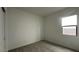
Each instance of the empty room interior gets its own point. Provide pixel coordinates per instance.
(39, 29)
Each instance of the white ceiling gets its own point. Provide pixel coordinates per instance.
(43, 11)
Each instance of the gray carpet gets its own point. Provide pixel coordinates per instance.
(41, 46)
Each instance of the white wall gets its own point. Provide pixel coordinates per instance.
(23, 28)
(53, 29)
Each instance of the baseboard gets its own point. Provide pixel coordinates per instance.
(60, 45)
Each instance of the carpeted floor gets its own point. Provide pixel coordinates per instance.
(41, 46)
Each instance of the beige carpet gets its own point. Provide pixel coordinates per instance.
(41, 46)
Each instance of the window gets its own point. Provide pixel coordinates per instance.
(69, 25)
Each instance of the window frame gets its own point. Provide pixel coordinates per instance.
(70, 26)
